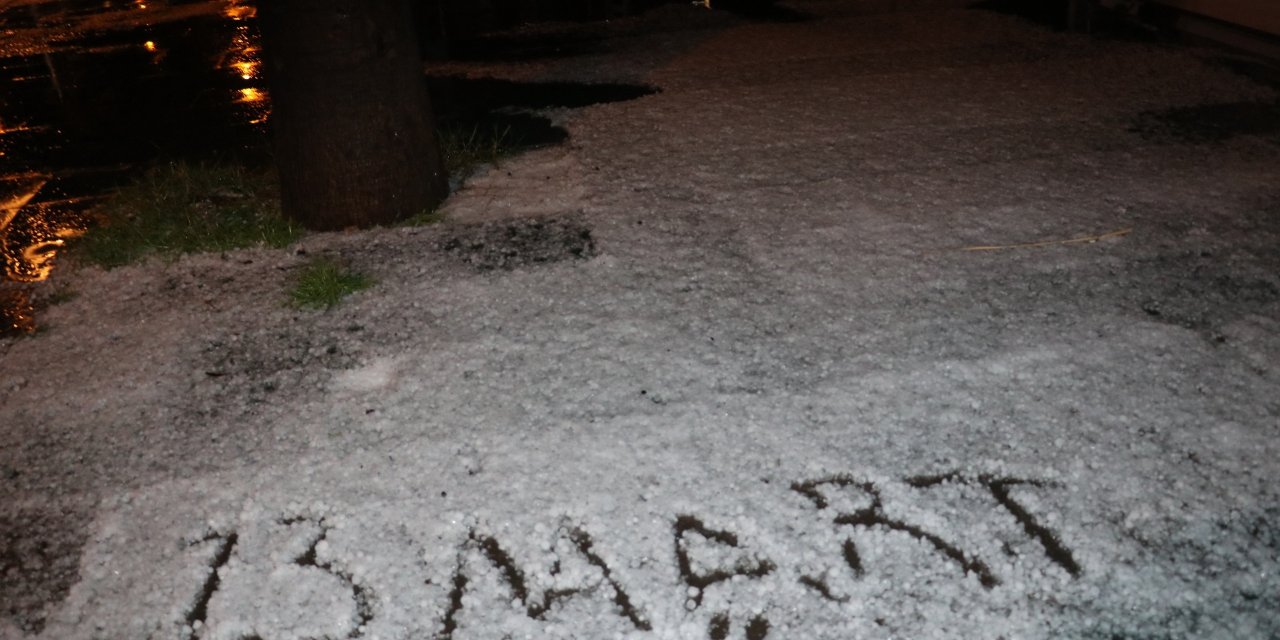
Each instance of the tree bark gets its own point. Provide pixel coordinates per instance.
(355, 138)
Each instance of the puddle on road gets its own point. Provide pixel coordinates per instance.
(118, 97)
(83, 111)
(17, 312)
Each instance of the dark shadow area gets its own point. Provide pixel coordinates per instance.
(504, 133)
(488, 113)
(1049, 13)
(456, 31)
(39, 561)
(521, 46)
(1252, 68)
(1209, 123)
(18, 17)
(760, 10)
(453, 96)
(1148, 24)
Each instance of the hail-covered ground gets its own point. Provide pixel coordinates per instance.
(902, 321)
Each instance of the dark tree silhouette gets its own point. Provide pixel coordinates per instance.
(355, 139)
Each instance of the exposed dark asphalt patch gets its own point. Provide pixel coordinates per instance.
(39, 561)
(511, 244)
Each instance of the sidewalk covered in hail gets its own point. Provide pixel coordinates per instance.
(879, 320)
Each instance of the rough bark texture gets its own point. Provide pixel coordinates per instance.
(354, 132)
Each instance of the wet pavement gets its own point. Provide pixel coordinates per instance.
(96, 90)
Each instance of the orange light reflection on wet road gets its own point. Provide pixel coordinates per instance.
(239, 11)
(33, 261)
(245, 59)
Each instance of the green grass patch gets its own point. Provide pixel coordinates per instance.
(434, 216)
(324, 283)
(187, 208)
(465, 149)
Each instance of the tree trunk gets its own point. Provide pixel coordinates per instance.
(354, 133)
